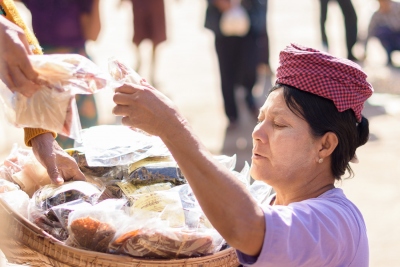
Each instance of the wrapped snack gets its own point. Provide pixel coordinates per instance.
(53, 107)
(17, 199)
(157, 173)
(94, 229)
(92, 234)
(124, 189)
(22, 167)
(121, 73)
(7, 186)
(118, 145)
(167, 243)
(53, 195)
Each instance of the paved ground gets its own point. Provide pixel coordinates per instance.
(187, 72)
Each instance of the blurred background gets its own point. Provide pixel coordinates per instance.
(187, 71)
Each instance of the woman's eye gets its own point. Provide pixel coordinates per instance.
(277, 125)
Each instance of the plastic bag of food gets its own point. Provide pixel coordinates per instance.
(113, 145)
(167, 243)
(51, 204)
(21, 167)
(53, 195)
(95, 228)
(53, 107)
(18, 200)
(121, 73)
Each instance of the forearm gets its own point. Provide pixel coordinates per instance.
(91, 24)
(223, 198)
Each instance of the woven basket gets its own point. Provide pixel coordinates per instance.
(24, 243)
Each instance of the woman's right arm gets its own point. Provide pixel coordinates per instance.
(225, 200)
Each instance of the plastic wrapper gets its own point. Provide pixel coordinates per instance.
(18, 200)
(166, 224)
(124, 189)
(7, 186)
(167, 243)
(21, 167)
(115, 145)
(53, 195)
(53, 106)
(121, 73)
(94, 229)
(157, 173)
(50, 206)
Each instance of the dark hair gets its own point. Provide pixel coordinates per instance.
(323, 116)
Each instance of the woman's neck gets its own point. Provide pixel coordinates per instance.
(285, 198)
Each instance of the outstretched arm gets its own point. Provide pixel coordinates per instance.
(224, 199)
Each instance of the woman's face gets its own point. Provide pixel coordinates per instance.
(284, 151)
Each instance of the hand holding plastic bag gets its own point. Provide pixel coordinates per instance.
(53, 107)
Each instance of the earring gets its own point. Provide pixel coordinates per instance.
(320, 160)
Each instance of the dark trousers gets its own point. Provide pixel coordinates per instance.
(390, 41)
(237, 58)
(350, 23)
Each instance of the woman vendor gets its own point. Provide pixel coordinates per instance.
(308, 131)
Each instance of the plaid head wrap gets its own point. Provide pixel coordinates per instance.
(316, 72)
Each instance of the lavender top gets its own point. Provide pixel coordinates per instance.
(325, 231)
(56, 23)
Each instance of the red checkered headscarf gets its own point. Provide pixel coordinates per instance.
(337, 79)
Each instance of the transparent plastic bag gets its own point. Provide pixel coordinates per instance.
(113, 145)
(121, 73)
(53, 107)
(50, 206)
(166, 224)
(21, 167)
(95, 228)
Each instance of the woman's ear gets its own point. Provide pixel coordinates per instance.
(329, 142)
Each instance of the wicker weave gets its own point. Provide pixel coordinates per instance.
(24, 243)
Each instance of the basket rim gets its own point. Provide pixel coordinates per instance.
(59, 245)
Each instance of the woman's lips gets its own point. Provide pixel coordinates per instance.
(257, 155)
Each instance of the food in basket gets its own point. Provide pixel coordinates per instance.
(7, 186)
(157, 173)
(51, 225)
(91, 234)
(115, 172)
(53, 195)
(163, 243)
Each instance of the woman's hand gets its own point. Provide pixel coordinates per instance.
(143, 107)
(59, 165)
(15, 68)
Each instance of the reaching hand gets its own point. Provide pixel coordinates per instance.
(144, 107)
(15, 68)
(60, 166)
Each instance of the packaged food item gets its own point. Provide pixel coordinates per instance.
(157, 173)
(53, 195)
(22, 168)
(7, 186)
(18, 200)
(95, 228)
(166, 243)
(92, 234)
(53, 106)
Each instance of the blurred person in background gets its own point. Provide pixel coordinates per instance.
(385, 26)
(17, 73)
(148, 23)
(239, 53)
(63, 27)
(350, 24)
